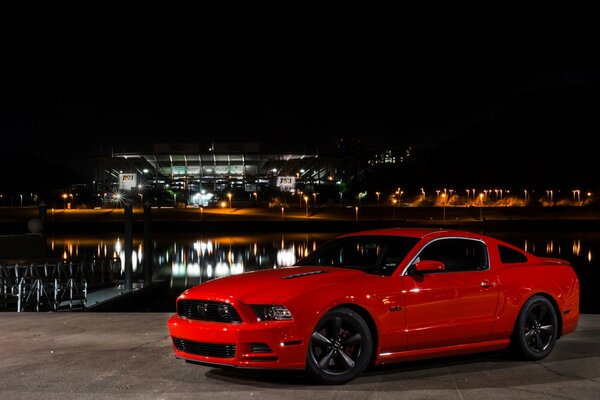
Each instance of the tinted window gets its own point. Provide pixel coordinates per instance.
(509, 256)
(456, 254)
(373, 254)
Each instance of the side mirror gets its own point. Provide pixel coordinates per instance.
(429, 266)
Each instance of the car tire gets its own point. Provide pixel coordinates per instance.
(340, 347)
(536, 329)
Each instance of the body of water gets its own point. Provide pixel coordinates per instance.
(183, 261)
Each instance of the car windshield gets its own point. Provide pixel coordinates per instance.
(378, 255)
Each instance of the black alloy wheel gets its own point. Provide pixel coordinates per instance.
(340, 347)
(537, 329)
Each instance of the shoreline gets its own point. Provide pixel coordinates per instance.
(17, 220)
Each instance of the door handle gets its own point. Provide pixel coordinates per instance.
(487, 284)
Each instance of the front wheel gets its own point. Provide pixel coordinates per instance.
(340, 347)
(536, 329)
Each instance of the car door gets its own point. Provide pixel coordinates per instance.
(453, 306)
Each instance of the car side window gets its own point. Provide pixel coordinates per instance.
(510, 256)
(458, 255)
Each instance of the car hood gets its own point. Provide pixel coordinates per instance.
(273, 286)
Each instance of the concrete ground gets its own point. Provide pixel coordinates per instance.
(128, 355)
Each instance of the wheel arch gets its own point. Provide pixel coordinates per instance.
(554, 303)
(369, 320)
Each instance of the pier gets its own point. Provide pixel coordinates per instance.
(55, 285)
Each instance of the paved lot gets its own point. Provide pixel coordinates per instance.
(128, 355)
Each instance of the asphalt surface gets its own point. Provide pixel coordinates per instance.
(129, 356)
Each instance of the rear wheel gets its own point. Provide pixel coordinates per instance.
(340, 347)
(536, 329)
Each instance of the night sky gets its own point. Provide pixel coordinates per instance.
(85, 79)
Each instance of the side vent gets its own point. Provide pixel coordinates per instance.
(300, 275)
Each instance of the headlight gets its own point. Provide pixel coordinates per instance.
(269, 312)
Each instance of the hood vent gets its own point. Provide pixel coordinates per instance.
(303, 274)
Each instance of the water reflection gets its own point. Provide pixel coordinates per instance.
(187, 260)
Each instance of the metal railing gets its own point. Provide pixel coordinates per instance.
(54, 285)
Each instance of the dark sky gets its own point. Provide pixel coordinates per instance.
(85, 77)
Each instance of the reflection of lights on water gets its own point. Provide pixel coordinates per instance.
(589, 256)
(286, 257)
(237, 268)
(577, 247)
(121, 256)
(193, 270)
(178, 270)
(139, 253)
(203, 248)
(134, 261)
(222, 269)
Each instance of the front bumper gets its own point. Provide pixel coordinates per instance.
(259, 345)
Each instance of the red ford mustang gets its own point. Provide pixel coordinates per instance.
(378, 297)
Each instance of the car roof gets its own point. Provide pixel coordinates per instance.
(416, 232)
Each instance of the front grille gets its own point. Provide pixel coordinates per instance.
(205, 310)
(205, 349)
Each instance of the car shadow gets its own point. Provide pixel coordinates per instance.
(430, 369)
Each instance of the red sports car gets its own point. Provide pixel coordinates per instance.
(378, 297)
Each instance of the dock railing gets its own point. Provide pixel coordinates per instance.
(54, 285)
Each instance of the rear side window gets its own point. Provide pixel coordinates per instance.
(511, 256)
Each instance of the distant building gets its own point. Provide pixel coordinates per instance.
(191, 170)
(389, 157)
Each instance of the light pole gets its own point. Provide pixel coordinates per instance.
(444, 196)
(356, 211)
(21, 199)
(64, 196)
(229, 195)
(481, 206)
(282, 210)
(341, 195)
(377, 193)
(315, 199)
